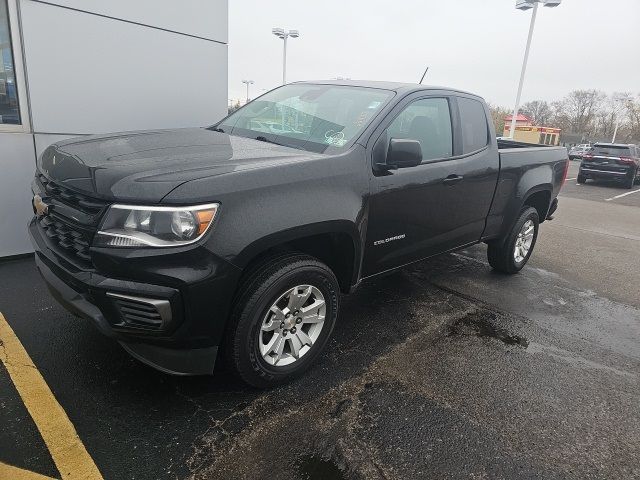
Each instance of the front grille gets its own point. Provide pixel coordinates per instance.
(74, 242)
(72, 221)
(83, 202)
(142, 313)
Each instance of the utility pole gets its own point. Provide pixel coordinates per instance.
(282, 34)
(247, 83)
(527, 5)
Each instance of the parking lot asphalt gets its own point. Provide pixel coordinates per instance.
(600, 190)
(441, 370)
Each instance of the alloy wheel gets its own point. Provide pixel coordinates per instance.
(524, 241)
(291, 325)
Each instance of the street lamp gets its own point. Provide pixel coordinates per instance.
(247, 83)
(282, 34)
(527, 5)
(621, 104)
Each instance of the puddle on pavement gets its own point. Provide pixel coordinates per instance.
(314, 468)
(481, 324)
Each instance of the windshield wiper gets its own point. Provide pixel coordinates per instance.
(265, 139)
(217, 129)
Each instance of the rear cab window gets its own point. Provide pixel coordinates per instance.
(473, 120)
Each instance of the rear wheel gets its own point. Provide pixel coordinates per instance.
(629, 182)
(282, 320)
(513, 254)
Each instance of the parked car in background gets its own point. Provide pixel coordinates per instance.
(179, 242)
(611, 161)
(578, 151)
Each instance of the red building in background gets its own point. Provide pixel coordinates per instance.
(527, 132)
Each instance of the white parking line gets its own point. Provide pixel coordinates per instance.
(574, 178)
(622, 195)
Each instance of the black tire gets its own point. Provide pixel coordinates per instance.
(581, 179)
(629, 182)
(261, 288)
(501, 254)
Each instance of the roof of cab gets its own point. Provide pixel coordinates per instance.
(393, 86)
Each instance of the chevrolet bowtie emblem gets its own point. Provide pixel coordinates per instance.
(39, 207)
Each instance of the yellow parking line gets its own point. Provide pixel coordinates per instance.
(15, 473)
(67, 450)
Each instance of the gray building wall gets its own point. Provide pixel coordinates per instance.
(94, 66)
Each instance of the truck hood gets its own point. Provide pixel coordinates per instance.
(144, 166)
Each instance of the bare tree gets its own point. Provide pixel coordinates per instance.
(538, 111)
(631, 129)
(586, 114)
(559, 117)
(580, 108)
(233, 107)
(611, 113)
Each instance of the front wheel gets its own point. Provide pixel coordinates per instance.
(581, 179)
(284, 315)
(513, 254)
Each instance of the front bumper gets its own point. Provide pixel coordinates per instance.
(193, 289)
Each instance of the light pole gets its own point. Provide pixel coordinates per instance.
(282, 34)
(247, 83)
(527, 5)
(621, 102)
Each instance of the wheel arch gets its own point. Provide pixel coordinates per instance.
(335, 243)
(540, 199)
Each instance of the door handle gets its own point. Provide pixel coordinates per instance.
(452, 179)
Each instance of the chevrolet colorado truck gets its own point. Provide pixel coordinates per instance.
(238, 239)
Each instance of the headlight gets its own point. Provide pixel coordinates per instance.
(136, 226)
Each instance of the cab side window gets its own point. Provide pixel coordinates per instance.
(429, 122)
(475, 131)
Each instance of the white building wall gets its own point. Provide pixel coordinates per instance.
(89, 73)
(201, 18)
(17, 164)
(95, 66)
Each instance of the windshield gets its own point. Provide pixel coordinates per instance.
(307, 116)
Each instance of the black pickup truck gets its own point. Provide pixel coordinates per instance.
(241, 236)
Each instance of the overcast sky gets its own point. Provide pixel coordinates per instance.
(475, 45)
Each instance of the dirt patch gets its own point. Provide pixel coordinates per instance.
(481, 323)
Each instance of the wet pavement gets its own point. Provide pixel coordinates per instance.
(442, 370)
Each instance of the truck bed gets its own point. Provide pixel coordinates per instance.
(504, 144)
(520, 154)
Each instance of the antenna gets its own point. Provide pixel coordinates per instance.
(424, 75)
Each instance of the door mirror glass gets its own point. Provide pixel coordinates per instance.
(404, 153)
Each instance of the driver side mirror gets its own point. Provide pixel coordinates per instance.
(403, 153)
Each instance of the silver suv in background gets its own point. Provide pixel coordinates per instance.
(577, 151)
